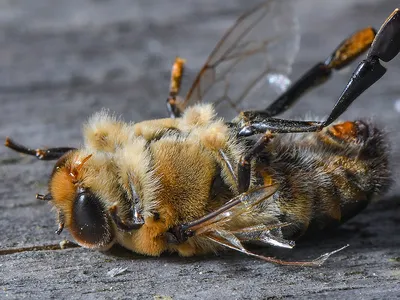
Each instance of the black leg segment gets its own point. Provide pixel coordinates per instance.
(385, 46)
(42, 154)
(344, 54)
(244, 166)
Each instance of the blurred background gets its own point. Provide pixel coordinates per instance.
(61, 61)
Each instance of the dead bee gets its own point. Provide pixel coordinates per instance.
(193, 183)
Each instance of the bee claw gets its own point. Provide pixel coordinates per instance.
(124, 225)
(60, 228)
(171, 238)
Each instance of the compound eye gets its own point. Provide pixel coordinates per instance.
(90, 224)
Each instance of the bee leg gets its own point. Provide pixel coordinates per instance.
(61, 216)
(125, 225)
(41, 154)
(244, 166)
(46, 197)
(61, 222)
(344, 54)
(178, 234)
(173, 110)
(256, 122)
(175, 85)
(385, 47)
(228, 164)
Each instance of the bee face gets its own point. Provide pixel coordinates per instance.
(83, 210)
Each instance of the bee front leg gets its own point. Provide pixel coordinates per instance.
(126, 225)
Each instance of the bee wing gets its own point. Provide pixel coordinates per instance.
(215, 222)
(212, 227)
(236, 206)
(229, 240)
(264, 234)
(257, 51)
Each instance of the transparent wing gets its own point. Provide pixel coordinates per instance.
(238, 205)
(254, 55)
(213, 227)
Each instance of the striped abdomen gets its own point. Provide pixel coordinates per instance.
(327, 177)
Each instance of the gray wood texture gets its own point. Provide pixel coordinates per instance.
(60, 61)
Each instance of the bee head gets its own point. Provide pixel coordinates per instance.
(80, 208)
(95, 195)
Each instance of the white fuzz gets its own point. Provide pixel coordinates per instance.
(104, 132)
(197, 115)
(135, 168)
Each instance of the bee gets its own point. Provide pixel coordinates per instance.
(194, 183)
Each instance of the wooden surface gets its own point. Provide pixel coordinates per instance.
(59, 63)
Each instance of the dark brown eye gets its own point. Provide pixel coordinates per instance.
(90, 224)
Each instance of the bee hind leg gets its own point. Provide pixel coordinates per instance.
(385, 46)
(346, 52)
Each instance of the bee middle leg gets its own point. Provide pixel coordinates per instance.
(269, 127)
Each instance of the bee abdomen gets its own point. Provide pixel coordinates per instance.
(328, 177)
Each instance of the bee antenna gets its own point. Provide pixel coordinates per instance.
(41, 154)
(46, 197)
